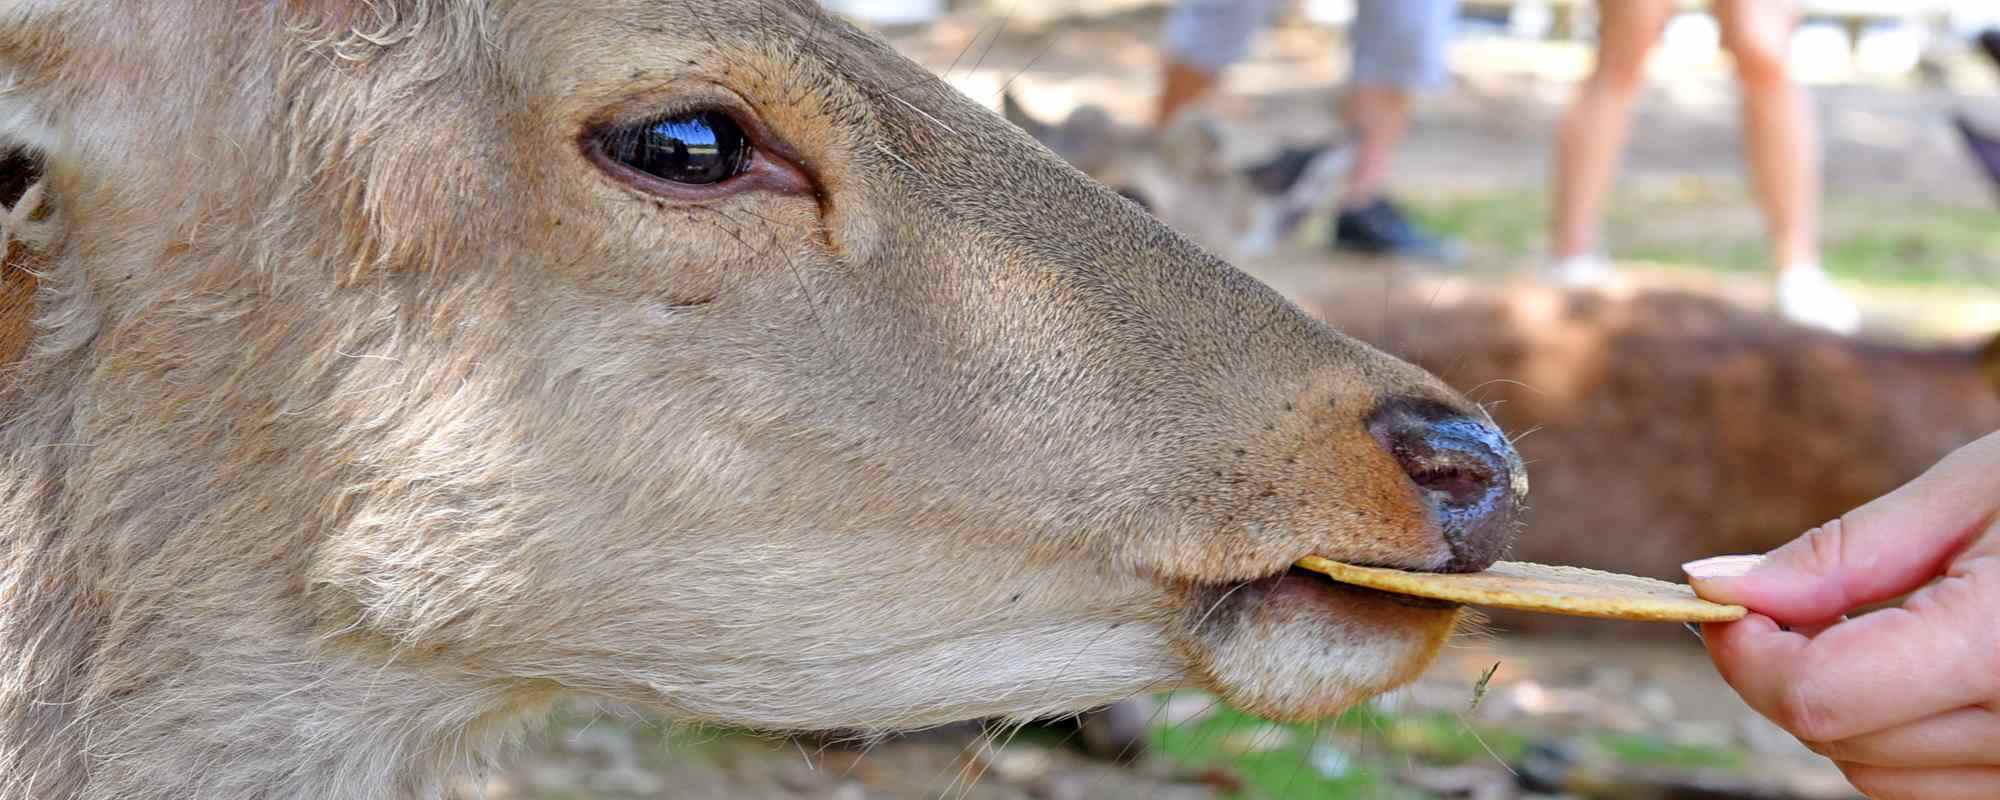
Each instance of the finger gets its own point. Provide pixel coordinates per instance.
(1881, 550)
(1888, 783)
(1874, 672)
(1964, 737)
(1753, 655)
(1813, 631)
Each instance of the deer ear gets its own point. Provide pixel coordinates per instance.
(1010, 108)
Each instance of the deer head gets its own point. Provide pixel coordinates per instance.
(399, 366)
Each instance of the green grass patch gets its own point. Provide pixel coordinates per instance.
(1655, 751)
(1866, 240)
(1373, 741)
(1283, 772)
(1508, 223)
(1363, 740)
(1953, 247)
(1435, 737)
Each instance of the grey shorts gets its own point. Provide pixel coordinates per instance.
(1396, 43)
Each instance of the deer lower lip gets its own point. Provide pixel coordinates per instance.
(1219, 606)
(1326, 584)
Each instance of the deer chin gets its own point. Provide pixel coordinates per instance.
(1295, 646)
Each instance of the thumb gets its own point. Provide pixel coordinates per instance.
(1888, 547)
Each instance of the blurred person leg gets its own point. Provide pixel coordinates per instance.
(1204, 37)
(1592, 134)
(1400, 49)
(1781, 143)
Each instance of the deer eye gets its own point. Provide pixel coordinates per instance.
(702, 148)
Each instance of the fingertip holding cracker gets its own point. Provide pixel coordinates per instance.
(1543, 588)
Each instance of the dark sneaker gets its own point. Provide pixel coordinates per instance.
(1380, 228)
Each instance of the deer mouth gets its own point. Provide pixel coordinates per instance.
(1298, 592)
(1324, 583)
(1297, 645)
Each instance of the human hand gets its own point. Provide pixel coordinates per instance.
(1905, 700)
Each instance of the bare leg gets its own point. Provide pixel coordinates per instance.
(1782, 146)
(1594, 130)
(1400, 48)
(1779, 132)
(1380, 117)
(1202, 38)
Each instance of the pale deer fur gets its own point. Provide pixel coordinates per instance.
(363, 416)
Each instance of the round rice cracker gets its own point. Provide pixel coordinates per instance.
(1544, 588)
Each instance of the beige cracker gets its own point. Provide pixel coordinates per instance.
(1541, 587)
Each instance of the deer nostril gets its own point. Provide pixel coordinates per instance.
(1451, 484)
(1466, 472)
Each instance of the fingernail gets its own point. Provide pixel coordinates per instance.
(1721, 567)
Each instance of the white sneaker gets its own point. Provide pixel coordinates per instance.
(1807, 297)
(1581, 272)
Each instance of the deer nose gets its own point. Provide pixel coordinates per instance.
(1464, 469)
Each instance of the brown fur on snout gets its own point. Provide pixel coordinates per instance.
(368, 410)
(1305, 478)
(1665, 427)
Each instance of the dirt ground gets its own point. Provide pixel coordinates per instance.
(1553, 708)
